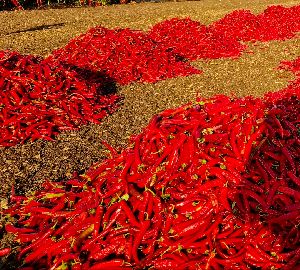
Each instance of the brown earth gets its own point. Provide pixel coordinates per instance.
(42, 31)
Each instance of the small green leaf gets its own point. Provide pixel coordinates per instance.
(223, 166)
(201, 140)
(189, 215)
(141, 167)
(63, 266)
(203, 161)
(113, 200)
(274, 254)
(166, 196)
(233, 205)
(195, 203)
(92, 211)
(261, 181)
(163, 195)
(125, 197)
(195, 177)
(151, 191)
(236, 226)
(53, 195)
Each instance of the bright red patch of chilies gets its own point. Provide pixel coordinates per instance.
(214, 184)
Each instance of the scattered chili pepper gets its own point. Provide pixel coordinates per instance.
(4, 251)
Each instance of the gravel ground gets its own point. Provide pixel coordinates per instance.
(42, 31)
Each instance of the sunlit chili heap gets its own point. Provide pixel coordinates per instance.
(40, 98)
(214, 184)
(209, 185)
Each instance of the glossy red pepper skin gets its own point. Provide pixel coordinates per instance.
(116, 264)
(4, 252)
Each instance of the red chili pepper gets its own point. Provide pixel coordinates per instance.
(138, 239)
(253, 138)
(112, 150)
(17, 4)
(129, 214)
(294, 178)
(116, 264)
(4, 252)
(291, 192)
(111, 249)
(98, 220)
(12, 229)
(289, 157)
(165, 264)
(39, 250)
(293, 261)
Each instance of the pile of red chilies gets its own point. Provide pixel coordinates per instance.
(209, 185)
(39, 98)
(275, 23)
(165, 51)
(124, 55)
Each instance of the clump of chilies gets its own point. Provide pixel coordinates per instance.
(210, 185)
(165, 51)
(125, 55)
(40, 98)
